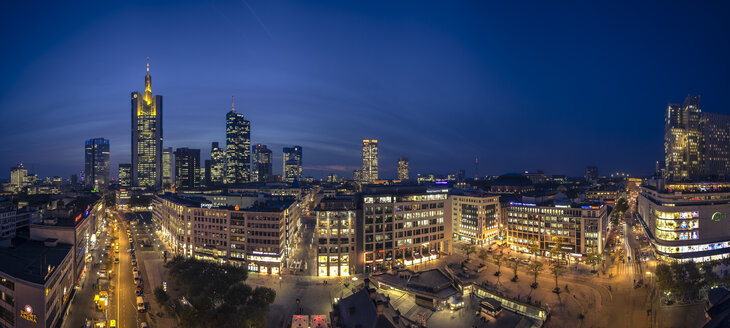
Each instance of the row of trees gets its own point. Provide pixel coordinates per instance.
(685, 280)
(556, 265)
(216, 294)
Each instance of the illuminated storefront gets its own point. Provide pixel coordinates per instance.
(686, 221)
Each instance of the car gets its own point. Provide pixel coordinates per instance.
(112, 323)
(116, 260)
(134, 269)
(143, 325)
(134, 262)
(138, 292)
(134, 257)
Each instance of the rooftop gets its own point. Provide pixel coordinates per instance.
(432, 282)
(29, 260)
(271, 204)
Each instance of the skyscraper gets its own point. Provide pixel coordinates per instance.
(403, 168)
(292, 164)
(217, 164)
(18, 177)
(591, 173)
(716, 145)
(238, 147)
(262, 166)
(97, 163)
(683, 140)
(187, 168)
(167, 167)
(125, 175)
(369, 171)
(146, 136)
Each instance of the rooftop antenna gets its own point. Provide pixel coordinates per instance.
(148, 64)
(233, 107)
(476, 168)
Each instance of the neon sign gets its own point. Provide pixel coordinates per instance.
(27, 314)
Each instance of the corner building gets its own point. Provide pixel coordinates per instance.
(686, 221)
(253, 236)
(475, 217)
(399, 226)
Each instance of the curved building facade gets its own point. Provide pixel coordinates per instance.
(686, 221)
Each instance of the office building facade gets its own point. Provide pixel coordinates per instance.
(369, 169)
(96, 168)
(292, 164)
(187, 168)
(146, 136)
(686, 220)
(125, 175)
(591, 173)
(335, 236)
(475, 218)
(716, 145)
(168, 167)
(238, 148)
(253, 236)
(217, 165)
(400, 226)
(19, 177)
(403, 168)
(683, 140)
(261, 165)
(580, 229)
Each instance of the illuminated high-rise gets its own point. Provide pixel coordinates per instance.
(125, 175)
(96, 163)
(591, 173)
(18, 177)
(261, 165)
(217, 164)
(146, 136)
(403, 168)
(683, 140)
(238, 147)
(187, 168)
(716, 145)
(292, 164)
(369, 171)
(167, 167)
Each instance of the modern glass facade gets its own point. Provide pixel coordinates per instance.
(97, 163)
(238, 148)
(369, 170)
(262, 166)
(217, 164)
(187, 168)
(683, 140)
(403, 168)
(292, 166)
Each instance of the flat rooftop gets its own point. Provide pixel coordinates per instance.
(29, 259)
(270, 204)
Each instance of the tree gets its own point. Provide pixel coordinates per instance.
(514, 265)
(468, 249)
(482, 255)
(709, 277)
(221, 299)
(665, 278)
(161, 296)
(534, 248)
(535, 268)
(557, 270)
(557, 250)
(594, 259)
(498, 257)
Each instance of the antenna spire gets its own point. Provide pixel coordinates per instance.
(233, 107)
(148, 64)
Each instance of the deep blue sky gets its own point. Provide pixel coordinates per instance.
(523, 86)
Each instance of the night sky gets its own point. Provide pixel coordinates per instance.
(523, 86)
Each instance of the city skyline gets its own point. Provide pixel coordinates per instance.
(398, 116)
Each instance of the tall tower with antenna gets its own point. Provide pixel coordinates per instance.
(476, 168)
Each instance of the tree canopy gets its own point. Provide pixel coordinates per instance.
(221, 299)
